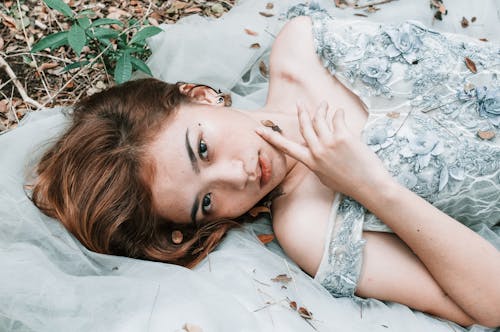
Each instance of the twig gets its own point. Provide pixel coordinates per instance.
(42, 74)
(4, 65)
(373, 4)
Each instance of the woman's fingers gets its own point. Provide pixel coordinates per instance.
(285, 145)
(320, 122)
(338, 121)
(306, 127)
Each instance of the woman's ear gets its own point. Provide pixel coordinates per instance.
(201, 94)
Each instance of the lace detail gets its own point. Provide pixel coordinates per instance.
(340, 276)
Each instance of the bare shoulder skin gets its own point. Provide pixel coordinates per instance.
(391, 271)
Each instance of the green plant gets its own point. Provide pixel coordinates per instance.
(105, 37)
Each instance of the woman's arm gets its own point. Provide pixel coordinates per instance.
(464, 265)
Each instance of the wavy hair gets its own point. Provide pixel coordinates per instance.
(96, 178)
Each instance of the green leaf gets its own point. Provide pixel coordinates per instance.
(100, 33)
(51, 41)
(74, 65)
(105, 21)
(145, 33)
(84, 22)
(123, 69)
(77, 38)
(140, 65)
(87, 13)
(60, 6)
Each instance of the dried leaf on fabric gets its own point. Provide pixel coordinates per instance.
(266, 238)
(266, 14)
(471, 65)
(304, 313)
(251, 32)
(486, 135)
(282, 278)
(393, 115)
(254, 212)
(464, 22)
(263, 69)
(188, 327)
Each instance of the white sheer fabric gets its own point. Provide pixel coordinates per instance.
(49, 282)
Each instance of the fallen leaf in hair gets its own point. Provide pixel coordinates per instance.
(255, 45)
(473, 19)
(251, 32)
(359, 14)
(269, 5)
(471, 65)
(283, 278)
(177, 237)
(483, 39)
(266, 238)
(254, 212)
(304, 313)
(293, 305)
(263, 69)
(464, 22)
(393, 115)
(486, 135)
(265, 14)
(188, 327)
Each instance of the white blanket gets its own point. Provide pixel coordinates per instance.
(50, 282)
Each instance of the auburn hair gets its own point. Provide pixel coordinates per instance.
(96, 178)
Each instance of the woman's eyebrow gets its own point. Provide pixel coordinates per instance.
(192, 157)
(196, 169)
(194, 210)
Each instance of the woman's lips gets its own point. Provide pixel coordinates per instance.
(266, 172)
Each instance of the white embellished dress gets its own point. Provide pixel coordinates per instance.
(434, 118)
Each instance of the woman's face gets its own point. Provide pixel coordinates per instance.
(210, 164)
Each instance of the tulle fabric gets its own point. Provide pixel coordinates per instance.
(50, 282)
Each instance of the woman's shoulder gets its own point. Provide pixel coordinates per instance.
(293, 45)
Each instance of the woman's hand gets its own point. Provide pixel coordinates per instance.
(338, 157)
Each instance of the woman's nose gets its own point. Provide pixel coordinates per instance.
(230, 173)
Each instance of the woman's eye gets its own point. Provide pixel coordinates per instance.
(203, 150)
(206, 204)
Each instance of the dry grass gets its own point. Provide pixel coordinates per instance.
(29, 81)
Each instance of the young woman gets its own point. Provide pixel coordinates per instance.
(161, 171)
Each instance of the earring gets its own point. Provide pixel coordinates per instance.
(177, 237)
(220, 99)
